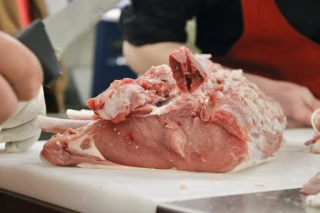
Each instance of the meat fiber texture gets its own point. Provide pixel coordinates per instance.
(190, 115)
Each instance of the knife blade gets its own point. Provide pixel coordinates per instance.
(50, 37)
(284, 201)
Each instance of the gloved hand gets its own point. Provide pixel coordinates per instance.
(21, 131)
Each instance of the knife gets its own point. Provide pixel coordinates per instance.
(284, 201)
(50, 37)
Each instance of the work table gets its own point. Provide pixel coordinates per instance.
(148, 190)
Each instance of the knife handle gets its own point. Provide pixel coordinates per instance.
(36, 39)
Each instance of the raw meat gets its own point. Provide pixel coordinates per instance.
(314, 144)
(193, 115)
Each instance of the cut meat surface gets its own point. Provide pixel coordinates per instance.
(193, 115)
(187, 71)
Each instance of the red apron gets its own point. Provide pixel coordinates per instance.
(271, 47)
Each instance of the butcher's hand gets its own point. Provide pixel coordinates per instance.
(21, 94)
(297, 102)
(21, 131)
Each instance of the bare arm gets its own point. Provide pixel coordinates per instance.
(298, 102)
(141, 58)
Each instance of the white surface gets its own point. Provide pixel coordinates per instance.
(55, 6)
(73, 21)
(83, 79)
(103, 190)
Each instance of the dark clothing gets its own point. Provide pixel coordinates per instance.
(219, 22)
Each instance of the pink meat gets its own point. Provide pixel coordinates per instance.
(186, 70)
(194, 116)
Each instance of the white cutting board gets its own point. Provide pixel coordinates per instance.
(104, 190)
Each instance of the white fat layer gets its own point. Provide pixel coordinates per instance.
(120, 167)
(313, 200)
(119, 101)
(74, 146)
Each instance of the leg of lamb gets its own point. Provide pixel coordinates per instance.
(193, 115)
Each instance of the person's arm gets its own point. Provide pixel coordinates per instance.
(141, 58)
(297, 102)
(152, 29)
(150, 37)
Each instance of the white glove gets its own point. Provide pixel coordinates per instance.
(21, 131)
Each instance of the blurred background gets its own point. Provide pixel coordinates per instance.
(94, 60)
(89, 64)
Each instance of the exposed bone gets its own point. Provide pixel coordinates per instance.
(57, 125)
(80, 115)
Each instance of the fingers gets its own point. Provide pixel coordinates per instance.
(20, 68)
(315, 104)
(8, 100)
(309, 99)
(26, 111)
(23, 145)
(301, 117)
(305, 114)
